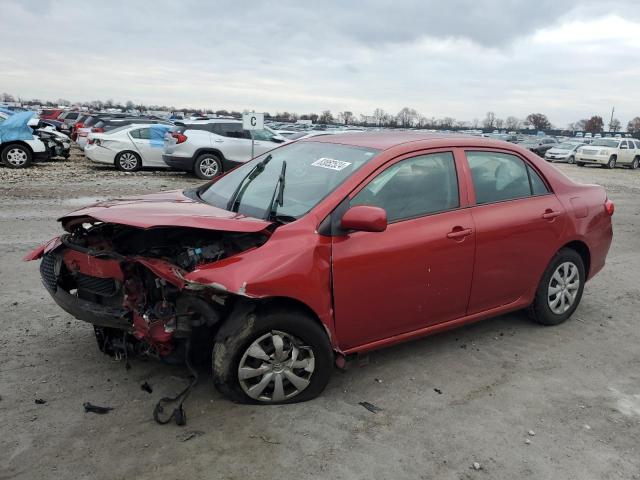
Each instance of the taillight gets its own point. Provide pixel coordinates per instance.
(97, 130)
(79, 125)
(180, 138)
(609, 207)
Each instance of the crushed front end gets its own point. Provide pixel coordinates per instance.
(129, 283)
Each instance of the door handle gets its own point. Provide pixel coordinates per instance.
(458, 232)
(550, 214)
(218, 140)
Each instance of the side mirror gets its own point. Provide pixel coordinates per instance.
(364, 218)
(278, 139)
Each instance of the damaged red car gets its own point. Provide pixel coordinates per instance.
(325, 248)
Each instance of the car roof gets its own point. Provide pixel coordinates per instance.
(388, 139)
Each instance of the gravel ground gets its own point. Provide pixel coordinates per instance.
(516, 399)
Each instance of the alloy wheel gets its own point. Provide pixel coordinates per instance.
(572, 159)
(17, 157)
(276, 367)
(128, 161)
(563, 288)
(209, 167)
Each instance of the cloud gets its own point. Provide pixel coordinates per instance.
(459, 58)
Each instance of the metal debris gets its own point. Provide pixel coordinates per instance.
(371, 407)
(88, 407)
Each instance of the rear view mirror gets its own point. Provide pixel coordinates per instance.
(364, 218)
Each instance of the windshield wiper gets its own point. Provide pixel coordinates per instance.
(278, 194)
(234, 201)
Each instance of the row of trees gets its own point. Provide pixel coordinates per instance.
(405, 118)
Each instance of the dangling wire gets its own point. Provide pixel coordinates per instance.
(178, 414)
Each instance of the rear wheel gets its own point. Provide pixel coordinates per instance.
(16, 156)
(611, 163)
(560, 290)
(207, 166)
(128, 161)
(273, 357)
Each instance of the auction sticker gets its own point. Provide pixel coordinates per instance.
(331, 164)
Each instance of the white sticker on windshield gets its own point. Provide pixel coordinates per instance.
(331, 164)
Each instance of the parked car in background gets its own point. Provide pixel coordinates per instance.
(563, 152)
(68, 119)
(19, 144)
(50, 113)
(207, 148)
(328, 247)
(610, 152)
(539, 145)
(105, 124)
(129, 147)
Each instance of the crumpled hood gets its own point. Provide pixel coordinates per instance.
(166, 209)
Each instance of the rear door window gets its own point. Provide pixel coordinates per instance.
(500, 176)
(231, 130)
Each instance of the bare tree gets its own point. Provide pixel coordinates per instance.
(634, 126)
(539, 121)
(499, 123)
(347, 117)
(489, 120)
(614, 125)
(512, 123)
(407, 117)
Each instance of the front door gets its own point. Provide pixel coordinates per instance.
(416, 273)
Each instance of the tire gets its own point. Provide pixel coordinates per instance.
(571, 160)
(611, 163)
(580, 164)
(248, 341)
(207, 166)
(635, 163)
(128, 161)
(16, 155)
(565, 267)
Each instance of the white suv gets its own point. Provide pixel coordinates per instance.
(207, 148)
(610, 152)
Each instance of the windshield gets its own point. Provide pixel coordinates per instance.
(603, 142)
(312, 171)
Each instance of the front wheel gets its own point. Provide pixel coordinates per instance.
(128, 162)
(273, 357)
(571, 160)
(611, 163)
(560, 289)
(635, 163)
(16, 156)
(207, 166)
(580, 164)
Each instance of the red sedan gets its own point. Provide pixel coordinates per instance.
(329, 247)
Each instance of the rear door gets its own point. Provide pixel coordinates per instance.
(518, 224)
(418, 271)
(232, 141)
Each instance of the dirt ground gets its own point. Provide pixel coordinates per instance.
(521, 400)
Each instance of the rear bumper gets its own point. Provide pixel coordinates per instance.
(179, 163)
(99, 155)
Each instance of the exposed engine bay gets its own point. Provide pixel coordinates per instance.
(127, 279)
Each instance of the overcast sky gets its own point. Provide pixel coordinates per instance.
(456, 58)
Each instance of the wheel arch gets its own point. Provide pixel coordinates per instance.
(583, 250)
(204, 150)
(127, 150)
(17, 142)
